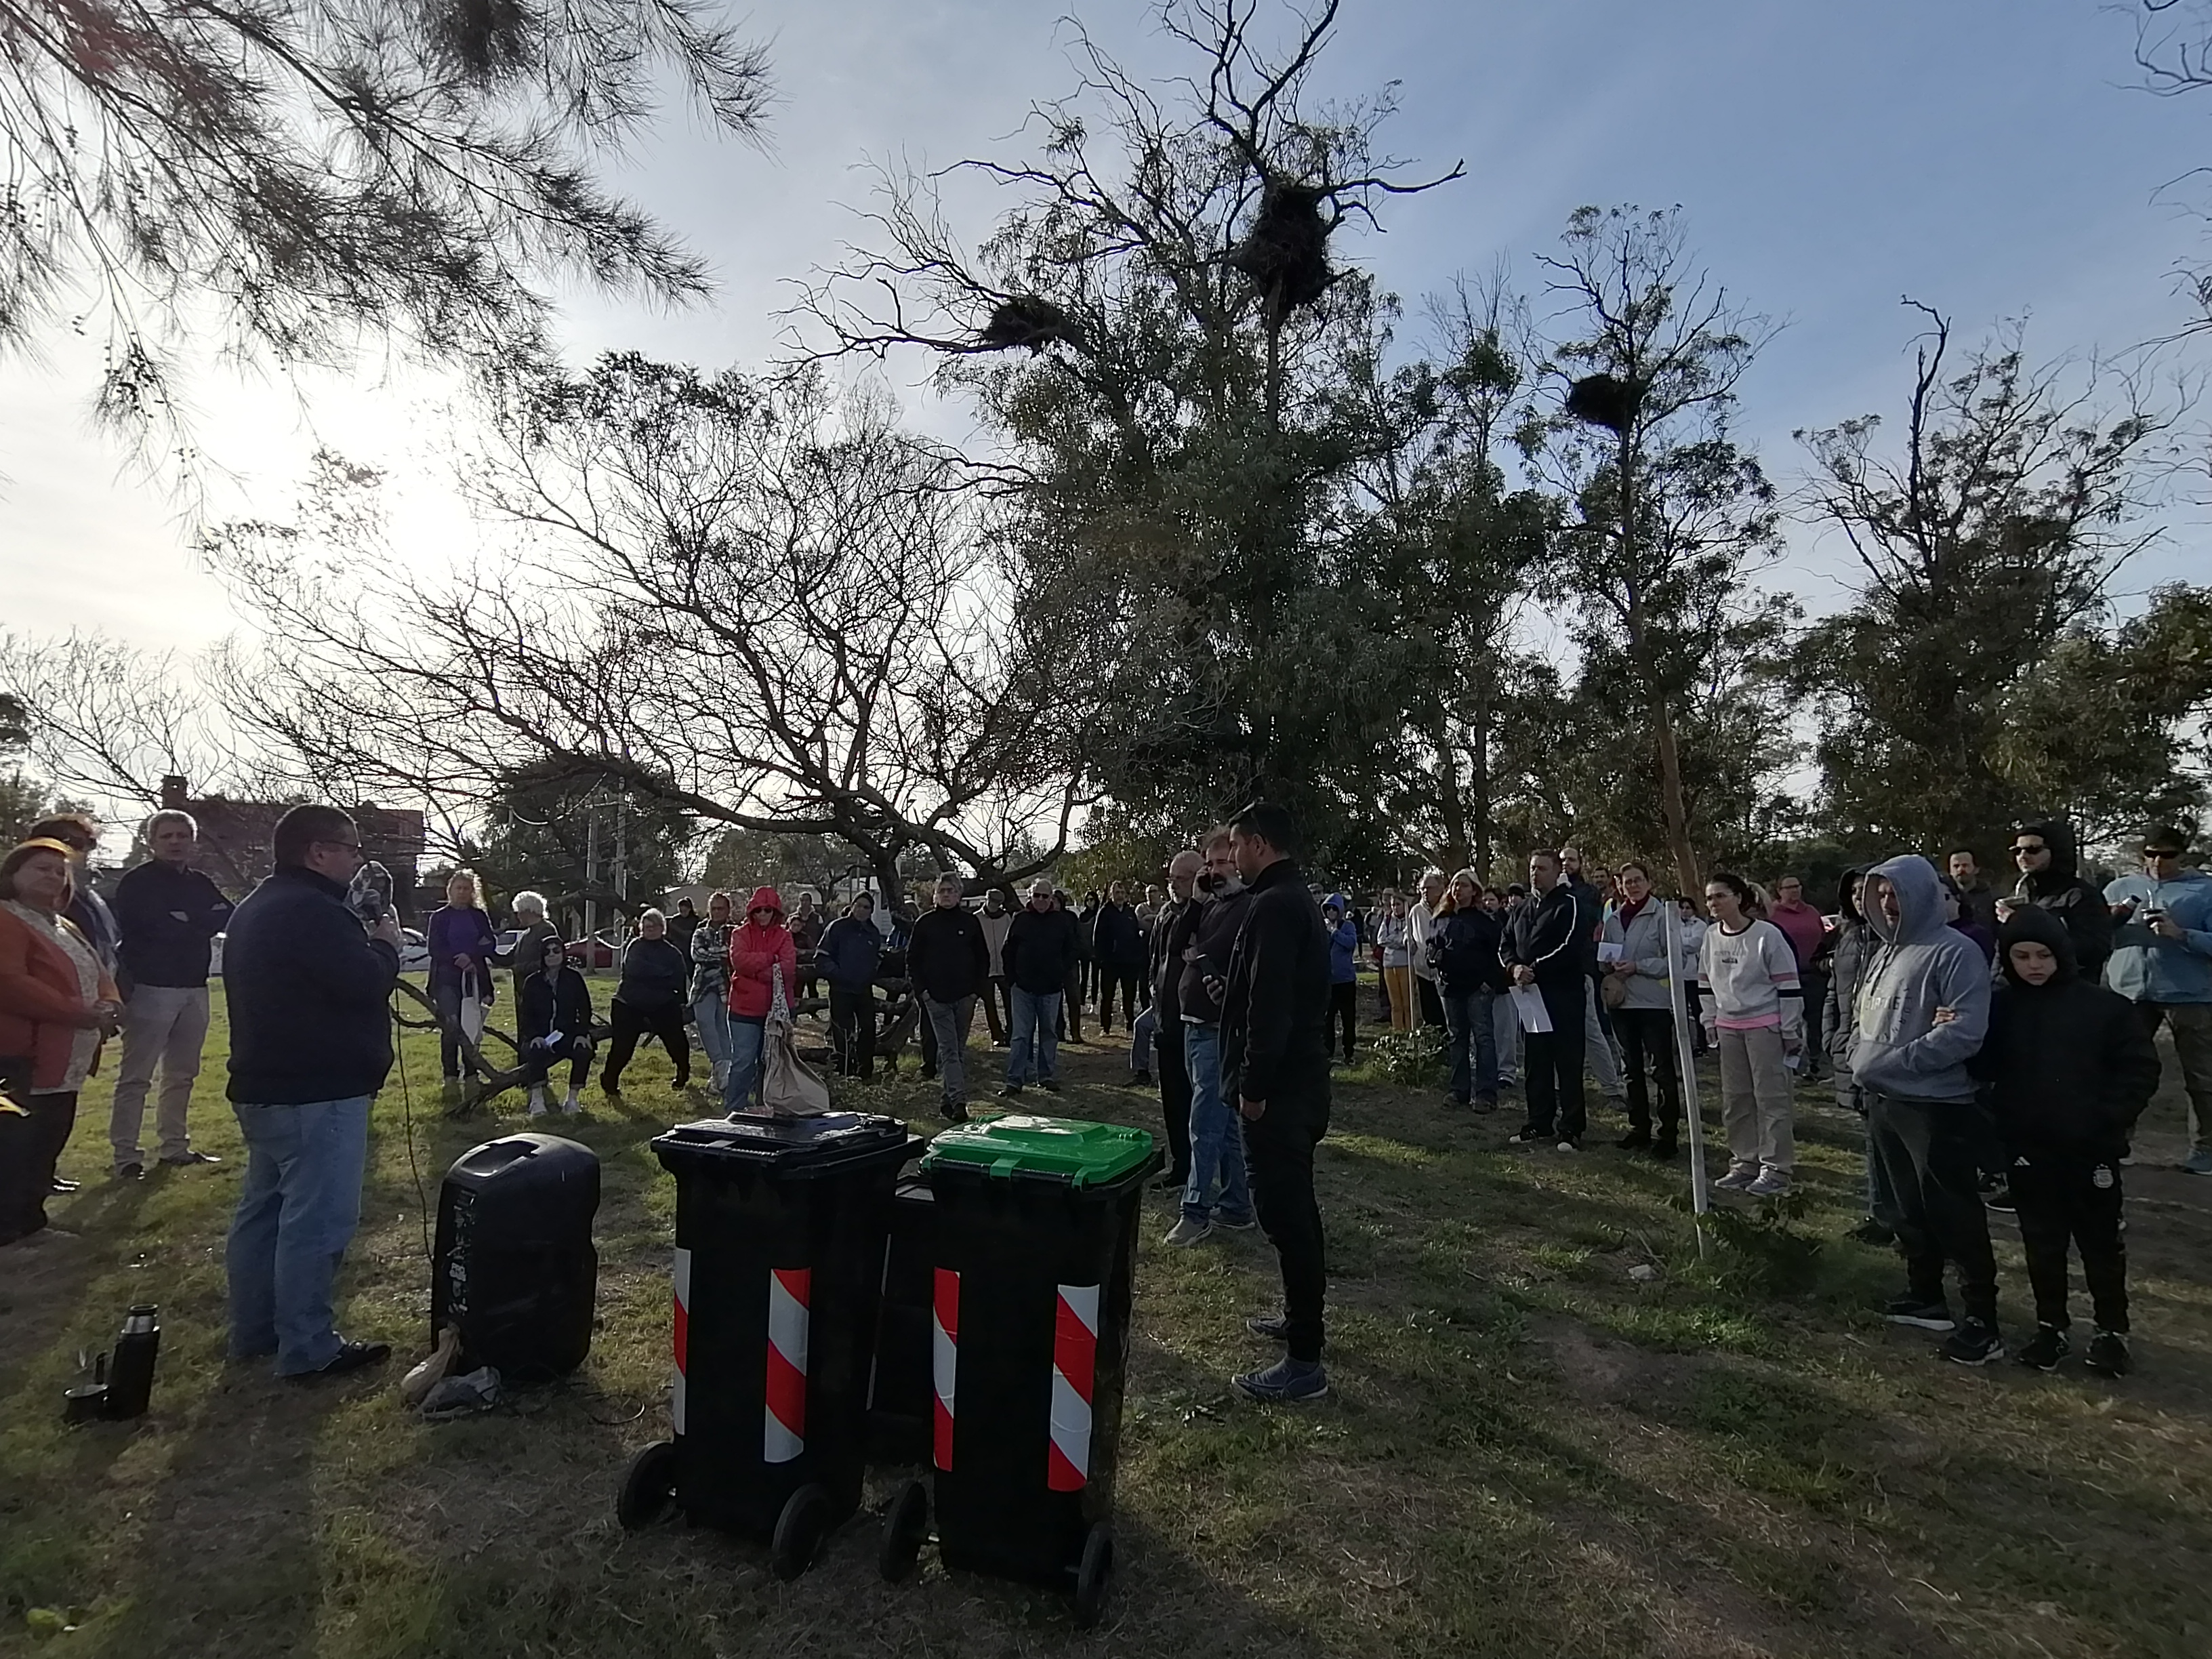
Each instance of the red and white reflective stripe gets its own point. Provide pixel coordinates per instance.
(783, 1424)
(682, 1342)
(1074, 1357)
(944, 1361)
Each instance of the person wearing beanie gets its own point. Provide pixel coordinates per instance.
(2070, 1068)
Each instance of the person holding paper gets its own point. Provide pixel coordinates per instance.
(1753, 1011)
(1548, 948)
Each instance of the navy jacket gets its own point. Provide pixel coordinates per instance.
(168, 919)
(1041, 949)
(1118, 938)
(849, 953)
(308, 994)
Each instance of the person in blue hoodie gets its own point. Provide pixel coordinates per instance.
(1922, 1113)
(2161, 962)
(1343, 972)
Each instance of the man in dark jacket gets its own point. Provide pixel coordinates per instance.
(166, 914)
(1548, 947)
(2070, 1068)
(1174, 925)
(1218, 1189)
(652, 996)
(1274, 1065)
(850, 951)
(2049, 877)
(1041, 955)
(310, 1043)
(948, 962)
(1118, 940)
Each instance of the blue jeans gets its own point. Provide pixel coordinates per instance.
(711, 1015)
(950, 1020)
(741, 1081)
(296, 1217)
(1035, 1017)
(1468, 1017)
(1142, 1037)
(1217, 1134)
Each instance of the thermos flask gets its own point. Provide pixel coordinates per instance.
(131, 1374)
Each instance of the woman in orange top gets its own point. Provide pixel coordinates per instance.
(58, 1005)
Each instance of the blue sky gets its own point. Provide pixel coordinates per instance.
(1992, 157)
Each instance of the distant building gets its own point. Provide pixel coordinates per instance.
(235, 836)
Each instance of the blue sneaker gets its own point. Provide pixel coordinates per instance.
(2198, 1163)
(1290, 1381)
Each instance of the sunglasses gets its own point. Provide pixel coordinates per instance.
(2036, 846)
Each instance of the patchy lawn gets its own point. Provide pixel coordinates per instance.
(1528, 1452)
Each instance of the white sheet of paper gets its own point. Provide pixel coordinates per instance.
(1528, 1005)
(1611, 952)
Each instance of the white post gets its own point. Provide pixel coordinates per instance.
(1686, 1065)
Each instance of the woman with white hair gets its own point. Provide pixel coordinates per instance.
(656, 978)
(529, 911)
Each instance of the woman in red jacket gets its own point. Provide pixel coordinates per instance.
(58, 1005)
(757, 949)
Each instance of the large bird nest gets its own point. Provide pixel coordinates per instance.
(1027, 321)
(1605, 400)
(1284, 251)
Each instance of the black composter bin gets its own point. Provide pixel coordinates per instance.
(780, 1225)
(514, 1270)
(899, 1396)
(1035, 1255)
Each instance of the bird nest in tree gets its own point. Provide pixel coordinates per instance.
(1285, 250)
(1605, 400)
(1027, 321)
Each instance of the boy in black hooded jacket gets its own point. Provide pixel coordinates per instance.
(2069, 1069)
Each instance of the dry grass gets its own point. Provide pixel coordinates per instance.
(1528, 1452)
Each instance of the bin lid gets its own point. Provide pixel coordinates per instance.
(783, 1143)
(1072, 1149)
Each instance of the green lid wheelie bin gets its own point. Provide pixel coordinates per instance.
(1035, 1255)
(780, 1230)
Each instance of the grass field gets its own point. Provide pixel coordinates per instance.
(1529, 1452)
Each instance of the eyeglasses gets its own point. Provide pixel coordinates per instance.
(353, 847)
(2025, 848)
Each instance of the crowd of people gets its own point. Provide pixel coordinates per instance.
(1998, 1046)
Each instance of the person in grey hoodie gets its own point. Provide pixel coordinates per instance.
(1921, 1011)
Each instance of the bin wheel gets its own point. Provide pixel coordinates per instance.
(1091, 1574)
(799, 1531)
(906, 1528)
(648, 1488)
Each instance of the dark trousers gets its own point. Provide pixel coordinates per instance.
(1071, 1003)
(1344, 1013)
(928, 1035)
(852, 1032)
(1175, 1095)
(1929, 1150)
(1815, 983)
(1647, 1046)
(1123, 979)
(2070, 1194)
(999, 1007)
(30, 1147)
(1383, 996)
(538, 1063)
(1432, 1006)
(1278, 1155)
(630, 1023)
(1554, 1061)
(445, 995)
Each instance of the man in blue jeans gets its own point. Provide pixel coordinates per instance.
(1216, 1193)
(307, 987)
(1040, 956)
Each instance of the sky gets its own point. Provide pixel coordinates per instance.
(1994, 158)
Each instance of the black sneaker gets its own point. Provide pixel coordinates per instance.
(1918, 1312)
(1175, 1180)
(1999, 1197)
(1530, 1135)
(1870, 1231)
(1272, 1327)
(2108, 1354)
(1011, 1092)
(1665, 1150)
(351, 1357)
(1976, 1342)
(1636, 1140)
(187, 1160)
(1049, 1086)
(1143, 1079)
(2045, 1349)
(129, 1172)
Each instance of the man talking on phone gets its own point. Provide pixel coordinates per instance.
(2161, 962)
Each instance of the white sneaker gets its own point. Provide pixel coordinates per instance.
(1772, 1183)
(1738, 1179)
(538, 1102)
(1187, 1231)
(573, 1105)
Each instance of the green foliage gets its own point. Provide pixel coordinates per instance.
(1765, 1255)
(1414, 1058)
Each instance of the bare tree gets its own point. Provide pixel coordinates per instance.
(299, 172)
(756, 602)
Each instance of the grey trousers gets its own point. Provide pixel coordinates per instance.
(163, 1025)
(950, 1020)
(1597, 1048)
(1756, 1096)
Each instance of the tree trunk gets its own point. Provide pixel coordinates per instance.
(1673, 804)
(1453, 818)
